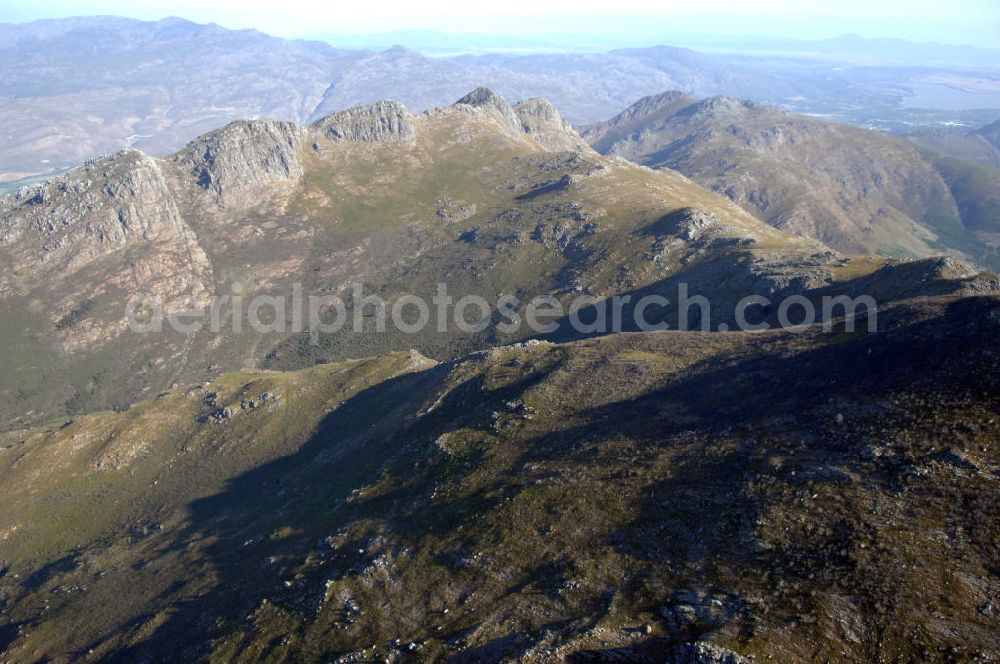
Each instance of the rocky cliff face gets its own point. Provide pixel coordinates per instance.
(488, 198)
(494, 104)
(104, 207)
(372, 123)
(238, 164)
(541, 120)
(81, 245)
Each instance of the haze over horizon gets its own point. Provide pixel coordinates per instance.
(967, 22)
(649, 332)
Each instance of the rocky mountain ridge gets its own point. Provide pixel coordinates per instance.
(489, 198)
(76, 88)
(980, 145)
(853, 189)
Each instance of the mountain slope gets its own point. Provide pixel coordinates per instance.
(775, 495)
(480, 196)
(854, 189)
(981, 145)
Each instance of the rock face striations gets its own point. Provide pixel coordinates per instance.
(55, 236)
(103, 206)
(542, 121)
(240, 163)
(381, 121)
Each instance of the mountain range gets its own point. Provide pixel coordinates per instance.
(696, 491)
(73, 89)
(489, 198)
(854, 189)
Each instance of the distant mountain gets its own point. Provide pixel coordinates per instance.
(487, 197)
(635, 120)
(583, 87)
(845, 48)
(980, 145)
(72, 89)
(854, 189)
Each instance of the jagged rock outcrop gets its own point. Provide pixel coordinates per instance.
(374, 123)
(541, 120)
(87, 240)
(689, 223)
(490, 101)
(705, 653)
(101, 207)
(238, 164)
(273, 205)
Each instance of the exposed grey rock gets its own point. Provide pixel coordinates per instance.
(451, 211)
(239, 163)
(542, 121)
(373, 123)
(219, 415)
(720, 106)
(603, 134)
(692, 223)
(106, 206)
(488, 100)
(705, 653)
(695, 609)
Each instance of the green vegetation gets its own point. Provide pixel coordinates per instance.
(853, 189)
(543, 499)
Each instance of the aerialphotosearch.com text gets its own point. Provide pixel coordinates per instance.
(472, 314)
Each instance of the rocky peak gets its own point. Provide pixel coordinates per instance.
(118, 205)
(383, 121)
(722, 106)
(541, 120)
(237, 164)
(653, 105)
(490, 101)
(106, 203)
(645, 112)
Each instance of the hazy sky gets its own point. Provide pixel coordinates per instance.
(954, 21)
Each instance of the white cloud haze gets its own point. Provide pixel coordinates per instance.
(964, 21)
